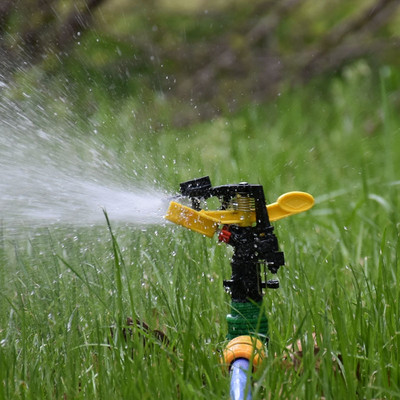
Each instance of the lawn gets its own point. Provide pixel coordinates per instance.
(67, 291)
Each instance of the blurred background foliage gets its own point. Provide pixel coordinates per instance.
(177, 62)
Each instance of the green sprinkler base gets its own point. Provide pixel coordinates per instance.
(247, 319)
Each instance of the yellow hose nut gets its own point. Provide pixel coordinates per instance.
(247, 347)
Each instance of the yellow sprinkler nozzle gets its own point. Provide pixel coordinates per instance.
(189, 218)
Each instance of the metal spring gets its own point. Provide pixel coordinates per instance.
(243, 203)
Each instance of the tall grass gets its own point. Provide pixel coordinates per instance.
(65, 295)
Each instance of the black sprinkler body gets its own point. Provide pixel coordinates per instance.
(254, 246)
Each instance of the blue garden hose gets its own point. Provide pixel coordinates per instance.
(239, 374)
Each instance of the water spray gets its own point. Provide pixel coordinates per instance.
(52, 173)
(243, 221)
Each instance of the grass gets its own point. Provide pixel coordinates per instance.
(61, 291)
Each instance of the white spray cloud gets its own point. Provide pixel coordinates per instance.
(52, 175)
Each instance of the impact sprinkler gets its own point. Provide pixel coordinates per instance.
(244, 222)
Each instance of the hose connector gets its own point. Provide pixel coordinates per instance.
(247, 347)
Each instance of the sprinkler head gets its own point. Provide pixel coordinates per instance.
(244, 222)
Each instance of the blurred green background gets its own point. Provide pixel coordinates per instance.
(175, 63)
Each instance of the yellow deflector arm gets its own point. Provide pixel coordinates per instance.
(206, 222)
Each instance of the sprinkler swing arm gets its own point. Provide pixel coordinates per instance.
(244, 222)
